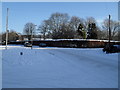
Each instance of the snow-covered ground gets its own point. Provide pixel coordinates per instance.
(58, 68)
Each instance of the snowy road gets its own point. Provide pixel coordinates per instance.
(58, 68)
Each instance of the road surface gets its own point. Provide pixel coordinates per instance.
(58, 68)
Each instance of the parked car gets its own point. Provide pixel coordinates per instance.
(3, 43)
(73, 46)
(27, 44)
(117, 48)
(111, 48)
(42, 45)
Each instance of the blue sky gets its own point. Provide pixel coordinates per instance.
(22, 12)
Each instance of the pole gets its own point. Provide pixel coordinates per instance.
(109, 30)
(7, 28)
(31, 38)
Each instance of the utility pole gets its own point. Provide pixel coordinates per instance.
(31, 38)
(109, 30)
(7, 28)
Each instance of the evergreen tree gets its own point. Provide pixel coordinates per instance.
(92, 31)
(82, 31)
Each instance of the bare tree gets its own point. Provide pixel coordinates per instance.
(44, 28)
(114, 26)
(29, 29)
(90, 20)
(74, 24)
(12, 36)
(60, 25)
(75, 21)
(65, 32)
(0, 37)
(118, 38)
(56, 21)
(101, 34)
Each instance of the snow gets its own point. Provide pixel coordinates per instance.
(58, 68)
(76, 40)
